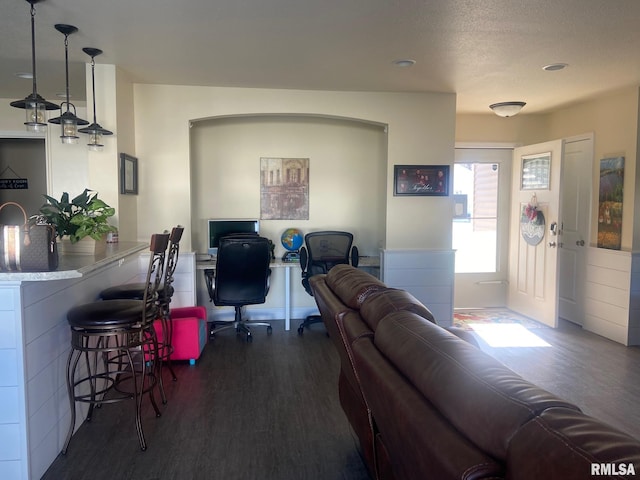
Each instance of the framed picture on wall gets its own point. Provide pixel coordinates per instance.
(421, 180)
(284, 188)
(128, 174)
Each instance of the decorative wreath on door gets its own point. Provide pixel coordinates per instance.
(532, 222)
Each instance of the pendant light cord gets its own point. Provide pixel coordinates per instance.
(66, 66)
(33, 48)
(93, 88)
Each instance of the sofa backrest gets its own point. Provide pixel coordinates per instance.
(445, 369)
(351, 285)
(380, 303)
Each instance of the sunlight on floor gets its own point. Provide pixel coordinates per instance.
(507, 335)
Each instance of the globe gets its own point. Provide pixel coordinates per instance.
(292, 239)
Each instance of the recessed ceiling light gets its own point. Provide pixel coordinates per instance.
(554, 67)
(28, 75)
(405, 62)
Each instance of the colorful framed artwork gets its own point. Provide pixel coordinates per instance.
(610, 196)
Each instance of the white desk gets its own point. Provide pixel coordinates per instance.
(368, 262)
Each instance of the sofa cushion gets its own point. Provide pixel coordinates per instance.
(351, 285)
(445, 369)
(571, 442)
(380, 303)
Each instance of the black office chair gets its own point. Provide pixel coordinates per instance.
(241, 277)
(321, 252)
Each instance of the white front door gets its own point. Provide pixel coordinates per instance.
(533, 282)
(574, 226)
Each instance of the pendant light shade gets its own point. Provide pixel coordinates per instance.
(68, 120)
(507, 109)
(95, 131)
(34, 105)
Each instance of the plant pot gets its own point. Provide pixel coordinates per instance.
(86, 246)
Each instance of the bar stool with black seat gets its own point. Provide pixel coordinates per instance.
(135, 291)
(117, 340)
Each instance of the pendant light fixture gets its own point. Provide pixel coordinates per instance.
(34, 105)
(95, 131)
(68, 119)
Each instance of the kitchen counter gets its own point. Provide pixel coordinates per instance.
(74, 266)
(35, 341)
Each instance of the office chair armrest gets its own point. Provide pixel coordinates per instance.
(355, 256)
(268, 280)
(209, 277)
(304, 259)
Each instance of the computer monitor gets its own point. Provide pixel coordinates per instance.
(219, 227)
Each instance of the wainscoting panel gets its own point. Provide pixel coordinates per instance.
(427, 274)
(612, 288)
(184, 278)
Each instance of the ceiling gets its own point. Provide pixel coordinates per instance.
(485, 51)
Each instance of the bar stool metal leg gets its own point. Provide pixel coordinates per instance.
(119, 346)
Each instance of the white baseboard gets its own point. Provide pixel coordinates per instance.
(258, 313)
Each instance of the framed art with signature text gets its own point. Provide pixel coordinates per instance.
(421, 180)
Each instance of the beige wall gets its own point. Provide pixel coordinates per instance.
(519, 130)
(347, 165)
(11, 118)
(103, 165)
(612, 118)
(127, 207)
(420, 131)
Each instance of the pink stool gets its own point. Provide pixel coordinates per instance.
(189, 332)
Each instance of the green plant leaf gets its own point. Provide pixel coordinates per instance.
(85, 215)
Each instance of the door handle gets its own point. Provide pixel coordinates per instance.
(552, 244)
(580, 243)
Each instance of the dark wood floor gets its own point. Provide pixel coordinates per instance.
(600, 376)
(266, 410)
(270, 410)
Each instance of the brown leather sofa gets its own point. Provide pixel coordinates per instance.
(425, 404)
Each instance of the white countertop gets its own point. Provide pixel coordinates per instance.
(74, 266)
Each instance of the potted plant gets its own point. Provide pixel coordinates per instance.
(84, 216)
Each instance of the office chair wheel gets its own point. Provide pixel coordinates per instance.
(300, 330)
(269, 330)
(249, 338)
